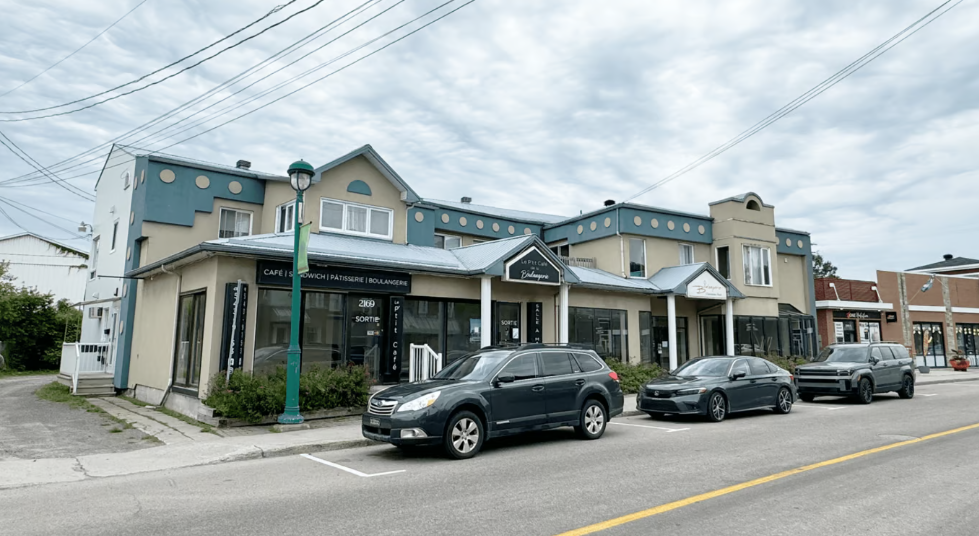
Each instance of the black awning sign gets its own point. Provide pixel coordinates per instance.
(333, 277)
(532, 266)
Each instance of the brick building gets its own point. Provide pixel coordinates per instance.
(850, 311)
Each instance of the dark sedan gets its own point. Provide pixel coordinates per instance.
(717, 386)
(498, 392)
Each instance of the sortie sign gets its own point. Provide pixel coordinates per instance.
(532, 266)
(332, 277)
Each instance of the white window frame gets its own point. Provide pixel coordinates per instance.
(115, 236)
(95, 258)
(126, 180)
(693, 254)
(746, 264)
(559, 244)
(370, 208)
(251, 219)
(717, 260)
(644, 259)
(445, 236)
(291, 222)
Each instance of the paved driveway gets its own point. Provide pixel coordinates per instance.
(34, 428)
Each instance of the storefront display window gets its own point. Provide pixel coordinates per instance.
(929, 344)
(365, 331)
(272, 330)
(463, 329)
(654, 342)
(762, 335)
(602, 330)
(968, 337)
(322, 340)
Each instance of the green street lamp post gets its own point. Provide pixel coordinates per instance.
(300, 177)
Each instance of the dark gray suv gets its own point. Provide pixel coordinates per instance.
(858, 370)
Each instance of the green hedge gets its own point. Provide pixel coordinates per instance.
(788, 363)
(253, 398)
(633, 377)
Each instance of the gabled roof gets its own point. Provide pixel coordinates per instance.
(740, 198)
(368, 152)
(674, 279)
(48, 240)
(954, 262)
(529, 217)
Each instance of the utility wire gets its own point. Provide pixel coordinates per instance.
(222, 51)
(34, 163)
(8, 200)
(55, 64)
(286, 51)
(804, 98)
(73, 236)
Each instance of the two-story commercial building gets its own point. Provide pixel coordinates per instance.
(208, 253)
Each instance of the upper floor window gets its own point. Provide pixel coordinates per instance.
(95, 258)
(115, 233)
(125, 179)
(285, 217)
(757, 266)
(753, 205)
(637, 257)
(724, 261)
(352, 218)
(686, 254)
(561, 250)
(234, 223)
(447, 241)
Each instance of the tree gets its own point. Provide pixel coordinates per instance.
(32, 326)
(822, 267)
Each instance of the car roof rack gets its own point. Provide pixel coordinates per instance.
(541, 345)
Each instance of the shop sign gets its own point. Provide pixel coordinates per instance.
(891, 317)
(532, 266)
(332, 277)
(396, 340)
(857, 315)
(706, 287)
(233, 331)
(535, 322)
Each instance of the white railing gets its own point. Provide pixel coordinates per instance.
(85, 357)
(424, 363)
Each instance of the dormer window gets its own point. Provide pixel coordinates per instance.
(753, 205)
(356, 219)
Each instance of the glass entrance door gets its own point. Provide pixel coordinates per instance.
(846, 331)
(365, 332)
(869, 331)
(507, 323)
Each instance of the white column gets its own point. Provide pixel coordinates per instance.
(486, 311)
(563, 334)
(671, 323)
(729, 326)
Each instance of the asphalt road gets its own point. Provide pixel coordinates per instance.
(550, 483)
(32, 428)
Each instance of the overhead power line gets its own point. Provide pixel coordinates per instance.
(72, 235)
(227, 83)
(36, 165)
(212, 56)
(90, 41)
(807, 96)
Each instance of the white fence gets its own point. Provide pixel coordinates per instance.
(80, 358)
(424, 363)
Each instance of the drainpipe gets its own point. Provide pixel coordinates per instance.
(176, 312)
(621, 244)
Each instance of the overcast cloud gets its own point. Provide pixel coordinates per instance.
(548, 106)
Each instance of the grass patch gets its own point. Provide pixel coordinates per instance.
(9, 372)
(151, 439)
(115, 431)
(181, 417)
(56, 392)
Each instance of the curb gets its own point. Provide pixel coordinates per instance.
(949, 380)
(308, 448)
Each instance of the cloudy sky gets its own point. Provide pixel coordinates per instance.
(544, 106)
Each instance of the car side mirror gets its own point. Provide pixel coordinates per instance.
(738, 375)
(504, 378)
(874, 360)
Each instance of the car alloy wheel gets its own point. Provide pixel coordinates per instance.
(865, 391)
(907, 389)
(783, 402)
(717, 407)
(593, 420)
(465, 435)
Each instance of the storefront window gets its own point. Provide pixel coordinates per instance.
(507, 320)
(602, 330)
(422, 325)
(365, 331)
(463, 329)
(713, 335)
(968, 336)
(322, 340)
(929, 344)
(784, 348)
(654, 348)
(190, 341)
(272, 330)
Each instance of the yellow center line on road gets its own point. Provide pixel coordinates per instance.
(611, 523)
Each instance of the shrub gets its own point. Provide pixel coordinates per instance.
(788, 363)
(633, 377)
(253, 398)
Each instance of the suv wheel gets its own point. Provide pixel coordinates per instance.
(716, 407)
(464, 436)
(865, 391)
(593, 420)
(907, 388)
(807, 397)
(783, 401)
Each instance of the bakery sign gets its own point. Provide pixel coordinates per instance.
(532, 266)
(706, 287)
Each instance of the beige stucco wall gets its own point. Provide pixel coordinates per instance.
(607, 253)
(735, 226)
(153, 332)
(793, 287)
(333, 185)
(164, 239)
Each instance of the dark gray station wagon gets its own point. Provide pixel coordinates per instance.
(498, 391)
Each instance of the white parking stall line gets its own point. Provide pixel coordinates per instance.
(667, 430)
(347, 469)
(931, 394)
(820, 406)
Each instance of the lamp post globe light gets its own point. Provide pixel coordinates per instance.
(300, 177)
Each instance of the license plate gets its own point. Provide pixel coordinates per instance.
(375, 422)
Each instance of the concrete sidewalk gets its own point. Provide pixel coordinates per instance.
(187, 446)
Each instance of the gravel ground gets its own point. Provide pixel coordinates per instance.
(32, 428)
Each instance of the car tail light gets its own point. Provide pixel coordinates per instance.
(613, 375)
(791, 377)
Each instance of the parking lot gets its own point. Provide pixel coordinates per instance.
(552, 482)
